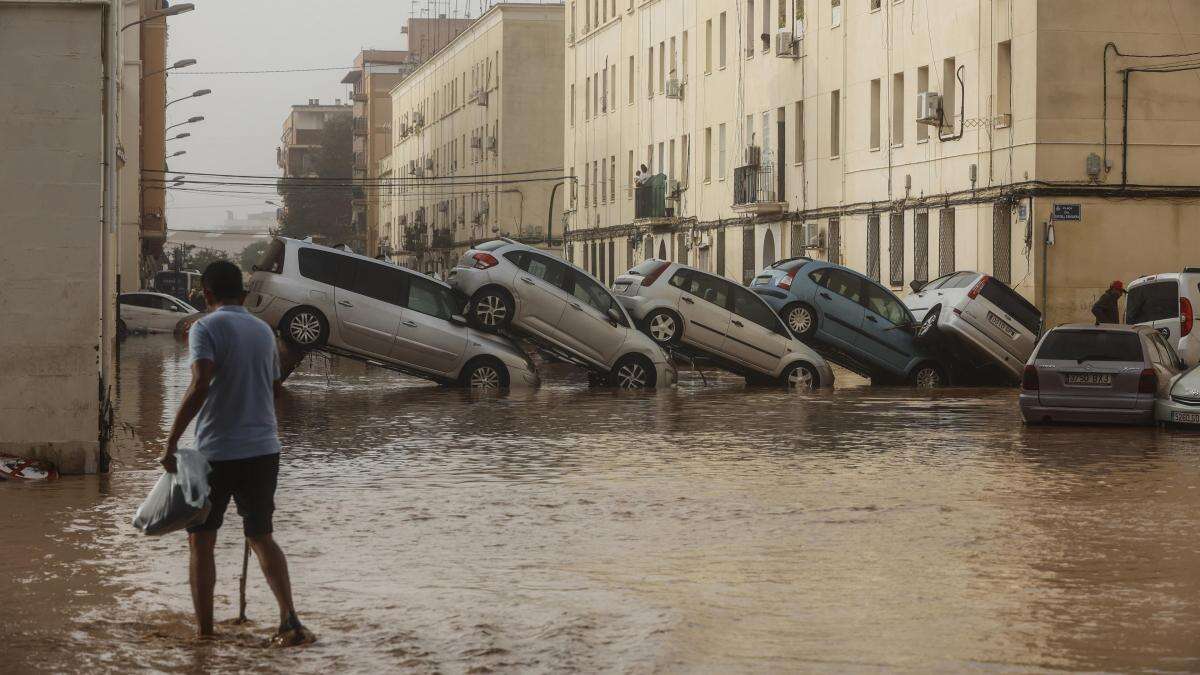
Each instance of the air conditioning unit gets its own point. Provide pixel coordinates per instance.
(429, 164)
(418, 119)
(491, 143)
(812, 235)
(675, 89)
(476, 142)
(929, 108)
(787, 46)
(412, 166)
(705, 241)
(482, 99)
(753, 156)
(420, 172)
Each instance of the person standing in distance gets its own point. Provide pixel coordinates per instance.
(235, 381)
(1106, 309)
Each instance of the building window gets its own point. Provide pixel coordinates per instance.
(587, 98)
(671, 162)
(1004, 82)
(572, 104)
(650, 73)
(949, 90)
(1002, 241)
(875, 5)
(898, 109)
(835, 13)
(748, 269)
(922, 86)
(708, 46)
(724, 25)
(721, 152)
(834, 242)
(674, 71)
(612, 178)
(602, 187)
(945, 242)
(749, 28)
(587, 184)
(874, 113)
(632, 79)
(721, 251)
(629, 177)
(873, 246)
(921, 248)
(766, 26)
(835, 124)
(685, 159)
(602, 264)
(683, 58)
(612, 93)
(896, 248)
(604, 93)
(662, 67)
(708, 154)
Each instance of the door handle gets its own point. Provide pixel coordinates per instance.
(345, 303)
(689, 300)
(872, 319)
(576, 307)
(739, 324)
(826, 296)
(410, 324)
(527, 280)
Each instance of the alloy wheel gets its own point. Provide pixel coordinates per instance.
(800, 320)
(928, 324)
(631, 376)
(491, 310)
(801, 379)
(928, 377)
(485, 377)
(305, 328)
(663, 328)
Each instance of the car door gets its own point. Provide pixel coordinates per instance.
(704, 306)
(756, 336)
(369, 298)
(167, 313)
(427, 338)
(886, 338)
(838, 299)
(134, 311)
(586, 326)
(539, 289)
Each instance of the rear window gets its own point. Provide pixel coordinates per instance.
(491, 245)
(271, 259)
(1011, 302)
(1152, 302)
(1090, 345)
(645, 268)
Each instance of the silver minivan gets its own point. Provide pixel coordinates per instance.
(325, 298)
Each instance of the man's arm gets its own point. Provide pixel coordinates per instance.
(202, 375)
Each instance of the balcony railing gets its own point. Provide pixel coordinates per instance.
(754, 185)
(360, 126)
(360, 160)
(443, 238)
(650, 199)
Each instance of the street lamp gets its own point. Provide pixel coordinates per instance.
(183, 63)
(178, 136)
(178, 179)
(190, 120)
(177, 153)
(270, 202)
(168, 11)
(195, 94)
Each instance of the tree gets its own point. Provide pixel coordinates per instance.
(249, 256)
(319, 203)
(195, 258)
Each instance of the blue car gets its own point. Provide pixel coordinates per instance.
(850, 319)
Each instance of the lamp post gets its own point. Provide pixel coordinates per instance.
(182, 63)
(190, 120)
(169, 11)
(177, 153)
(195, 94)
(178, 136)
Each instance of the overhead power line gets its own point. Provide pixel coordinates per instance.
(349, 179)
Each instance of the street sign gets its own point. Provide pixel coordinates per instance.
(1066, 212)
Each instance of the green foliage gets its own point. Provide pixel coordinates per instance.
(196, 258)
(249, 256)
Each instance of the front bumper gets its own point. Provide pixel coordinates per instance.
(667, 375)
(1165, 409)
(1035, 413)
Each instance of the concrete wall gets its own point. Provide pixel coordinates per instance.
(51, 289)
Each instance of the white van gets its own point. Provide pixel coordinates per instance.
(1168, 303)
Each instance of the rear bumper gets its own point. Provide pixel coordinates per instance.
(467, 280)
(980, 343)
(637, 306)
(1035, 413)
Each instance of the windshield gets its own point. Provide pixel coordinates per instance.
(1090, 345)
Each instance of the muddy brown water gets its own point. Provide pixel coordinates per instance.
(711, 529)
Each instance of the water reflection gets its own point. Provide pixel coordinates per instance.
(714, 528)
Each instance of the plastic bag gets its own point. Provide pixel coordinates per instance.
(179, 499)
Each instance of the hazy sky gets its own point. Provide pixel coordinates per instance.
(245, 113)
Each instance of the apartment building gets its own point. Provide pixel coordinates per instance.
(301, 137)
(477, 138)
(149, 93)
(776, 128)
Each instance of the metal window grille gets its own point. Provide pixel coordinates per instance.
(1002, 241)
(945, 242)
(600, 269)
(628, 252)
(747, 255)
(648, 253)
(921, 248)
(796, 248)
(571, 253)
(896, 249)
(593, 269)
(721, 251)
(873, 246)
(612, 261)
(834, 241)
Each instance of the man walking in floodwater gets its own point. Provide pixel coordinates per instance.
(235, 380)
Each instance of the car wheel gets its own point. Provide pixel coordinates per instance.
(634, 372)
(491, 310)
(801, 320)
(485, 374)
(800, 377)
(928, 330)
(122, 329)
(663, 327)
(928, 376)
(305, 327)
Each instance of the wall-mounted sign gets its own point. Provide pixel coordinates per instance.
(1066, 212)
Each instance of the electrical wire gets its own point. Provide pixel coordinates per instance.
(350, 179)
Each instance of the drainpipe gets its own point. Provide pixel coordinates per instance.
(550, 217)
(111, 53)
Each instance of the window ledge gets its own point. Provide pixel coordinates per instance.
(897, 145)
(834, 157)
(874, 149)
(922, 141)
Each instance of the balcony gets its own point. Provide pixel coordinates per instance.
(360, 161)
(360, 126)
(754, 191)
(359, 96)
(415, 240)
(650, 203)
(443, 239)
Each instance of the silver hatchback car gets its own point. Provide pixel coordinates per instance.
(560, 307)
(325, 298)
(1099, 374)
(681, 306)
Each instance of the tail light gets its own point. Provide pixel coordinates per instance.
(1148, 382)
(1029, 379)
(1186, 317)
(484, 260)
(978, 287)
(785, 282)
(654, 274)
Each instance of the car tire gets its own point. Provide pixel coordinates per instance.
(801, 320)
(663, 326)
(634, 371)
(800, 377)
(927, 331)
(485, 374)
(491, 310)
(305, 327)
(928, 376)
(122, 329)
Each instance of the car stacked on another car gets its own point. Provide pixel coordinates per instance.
(990, 321)
(1168, 303)
(325, 298)
(562, 308)
(680, 306)
(1099, 374)
(850, 319)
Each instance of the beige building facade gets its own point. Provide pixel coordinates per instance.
(791, 127)
(477, 139)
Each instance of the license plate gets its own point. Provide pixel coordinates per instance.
(1186, 417)
(1002, 325)
(1089, 379)
(621, 288)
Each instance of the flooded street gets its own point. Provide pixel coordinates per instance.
(704, 529)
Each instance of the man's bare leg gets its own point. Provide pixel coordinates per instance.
(202, 574)
(275, 569)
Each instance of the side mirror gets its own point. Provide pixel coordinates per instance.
(614, 316)
(916, 286)
(459, 319)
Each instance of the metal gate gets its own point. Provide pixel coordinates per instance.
(612, 261)
(921, 247)
(747, 255)
(873, 246)
(896, 248)
(834, 241)
(796, 247)
(1002, 241)
(721, 251)
(945, 242)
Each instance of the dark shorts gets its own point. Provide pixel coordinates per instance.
(251, 484)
